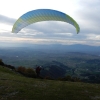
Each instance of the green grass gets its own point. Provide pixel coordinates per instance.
(14, 86)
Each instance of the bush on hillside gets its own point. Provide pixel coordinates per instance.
(1, 62)
(29, 72)
(69, 78)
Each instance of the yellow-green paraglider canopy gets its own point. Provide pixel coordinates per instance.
(42, 15)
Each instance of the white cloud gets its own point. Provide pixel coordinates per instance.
(93, 37)
(15, 9)
(5, 27)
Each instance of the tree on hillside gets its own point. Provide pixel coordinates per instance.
(1, 62)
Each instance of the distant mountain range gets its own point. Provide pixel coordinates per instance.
(56, 47)
(66, 48)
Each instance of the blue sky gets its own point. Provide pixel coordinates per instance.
(85, 12)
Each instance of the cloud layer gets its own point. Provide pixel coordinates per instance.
(51, 32)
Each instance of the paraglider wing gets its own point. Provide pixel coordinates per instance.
(42, 15)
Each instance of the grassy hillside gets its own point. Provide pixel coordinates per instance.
(14, 86)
